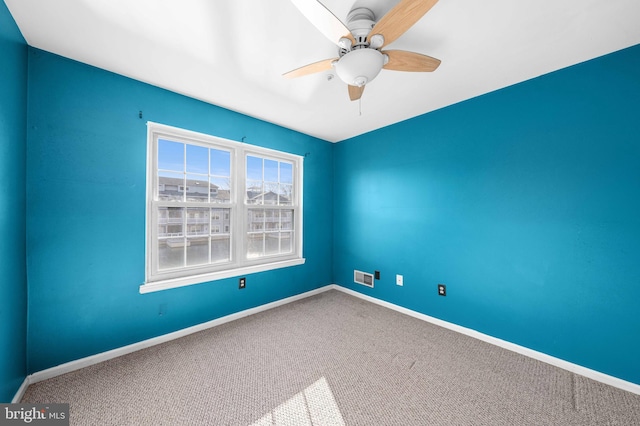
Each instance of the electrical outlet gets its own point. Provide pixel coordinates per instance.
(442, 290)
(399, 280)
(242, 283)
(376, 274)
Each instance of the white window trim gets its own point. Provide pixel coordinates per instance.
(156, 280)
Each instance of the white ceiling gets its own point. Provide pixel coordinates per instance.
(232, 53)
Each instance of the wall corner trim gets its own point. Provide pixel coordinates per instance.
(539, 356)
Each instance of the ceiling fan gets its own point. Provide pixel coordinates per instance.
(360, 42)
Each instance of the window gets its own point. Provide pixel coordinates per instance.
(218, 208)
(269, 183)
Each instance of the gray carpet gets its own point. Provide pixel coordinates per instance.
(338, 360)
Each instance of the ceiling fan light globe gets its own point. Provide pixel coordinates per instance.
(360, 66)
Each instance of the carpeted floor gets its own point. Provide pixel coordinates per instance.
(337, 360)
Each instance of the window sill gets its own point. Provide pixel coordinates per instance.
(152, 286)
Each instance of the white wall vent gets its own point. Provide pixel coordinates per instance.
(363, 278)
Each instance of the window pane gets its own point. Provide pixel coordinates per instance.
(170, 222)
(254, 168)
(255, 246)
(197, 222)
(220, 249)
(286, 173)
(285, 242)
(254, 192)
(270, 196)
(286, 219)
(197, 159)
(219, 190)
(220, 162)
(197, 188)
(170, 186)
(171, 253)
(170, 155)
(271, 220)
(171, 237)
(270, 170)
(255, 220)
(220, 221)
(272, 243)
(197, 251)
(286, 195)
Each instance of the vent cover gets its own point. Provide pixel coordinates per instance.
(363, 278)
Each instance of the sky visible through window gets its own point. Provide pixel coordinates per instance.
(171, 157)
(255, 169)
(178, 160)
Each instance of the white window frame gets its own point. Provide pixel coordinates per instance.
(239, 264)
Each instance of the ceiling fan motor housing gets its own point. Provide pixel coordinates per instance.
(360, 21)
(359, 64)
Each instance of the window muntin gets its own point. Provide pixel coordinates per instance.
(199, 227)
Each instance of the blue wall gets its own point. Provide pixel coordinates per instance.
(524, 202)
(13, 280)
(86, 159)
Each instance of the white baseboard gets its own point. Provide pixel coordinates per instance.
(21, 390)
(557, 362)
(95, 359)
(104, 356)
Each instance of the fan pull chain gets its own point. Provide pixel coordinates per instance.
(360, 106)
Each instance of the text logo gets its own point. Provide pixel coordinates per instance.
(34, 414)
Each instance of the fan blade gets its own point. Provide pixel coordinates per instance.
(401, 18)
(323, 19)
(311, 68)
(401, 60)
(355, 92)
